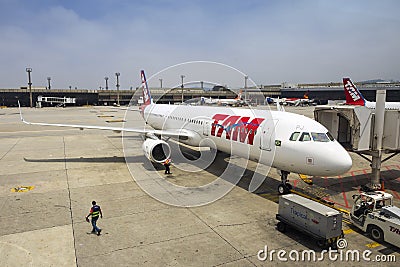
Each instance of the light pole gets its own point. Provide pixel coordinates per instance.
(106, 78)
(117, 74)
(245, 88)
(49, 79)
(29, 70)
(160, 83)
(182, 77)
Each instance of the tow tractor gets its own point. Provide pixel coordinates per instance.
(374, 213)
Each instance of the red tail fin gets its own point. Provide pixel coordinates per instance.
(146, 92)
(353, 96)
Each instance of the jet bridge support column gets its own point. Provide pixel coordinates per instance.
(378, 139)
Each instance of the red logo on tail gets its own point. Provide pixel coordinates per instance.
(353, 96)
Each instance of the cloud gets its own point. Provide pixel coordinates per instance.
(79, 43)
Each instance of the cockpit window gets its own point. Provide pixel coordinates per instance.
(305, 137)
(320, 137)
(294, 136)
(330, 136)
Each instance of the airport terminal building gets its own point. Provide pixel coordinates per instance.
(321, 93)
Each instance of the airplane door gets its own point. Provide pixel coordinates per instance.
(267, 140)
(206, 127)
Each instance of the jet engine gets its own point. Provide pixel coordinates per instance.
(156, 150)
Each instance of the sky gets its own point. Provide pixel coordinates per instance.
(78, 43)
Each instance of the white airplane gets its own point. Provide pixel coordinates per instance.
(227, 102)
(286, 141)
(355, 98)
(294, 101)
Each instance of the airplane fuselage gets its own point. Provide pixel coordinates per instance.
(273, 138)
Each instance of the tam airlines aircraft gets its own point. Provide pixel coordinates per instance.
(283, 140)
(355, 98)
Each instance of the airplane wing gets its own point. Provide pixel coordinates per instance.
(168, 133)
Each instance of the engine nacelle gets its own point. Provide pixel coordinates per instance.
(156, 150)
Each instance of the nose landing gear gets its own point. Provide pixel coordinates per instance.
(284, 187)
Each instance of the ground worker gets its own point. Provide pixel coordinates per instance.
(167, 163)
(95, 212)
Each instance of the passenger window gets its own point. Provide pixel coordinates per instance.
(294, 136)
(305, 137)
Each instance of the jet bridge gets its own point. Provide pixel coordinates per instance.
(59, 101)
(367, 132)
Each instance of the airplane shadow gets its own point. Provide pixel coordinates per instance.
(216, 168)
(221, 162)
(268, 186)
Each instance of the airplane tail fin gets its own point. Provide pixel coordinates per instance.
(353, 96)
(146, 92)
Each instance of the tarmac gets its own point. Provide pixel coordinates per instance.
(62, 170)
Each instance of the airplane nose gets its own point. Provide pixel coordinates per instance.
(338, 161)
(344, 162)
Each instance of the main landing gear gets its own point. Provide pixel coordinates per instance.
(284, 187)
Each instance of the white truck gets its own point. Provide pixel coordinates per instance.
(374, 213)
(319, 221)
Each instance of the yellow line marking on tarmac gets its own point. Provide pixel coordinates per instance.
(348, 231)
(19, 189)
(347, 221)
(105, 116)
(373, 245)
(306, 179)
